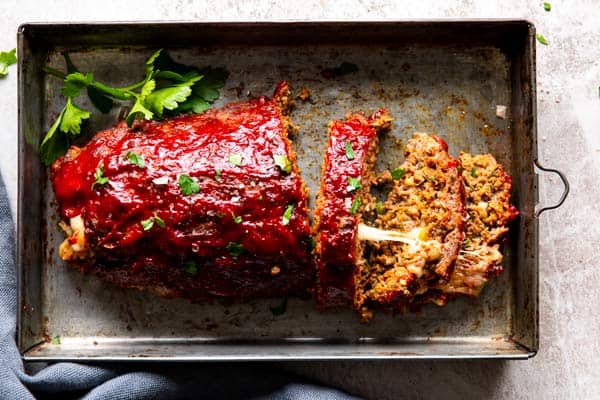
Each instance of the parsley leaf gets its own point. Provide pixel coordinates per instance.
(213, 79)
(235, 249)
(353, 184)
(218, 174)
(283, 163)
(194, 104)
(7, 58)
(99, 176)
(473, 172)
(349, 151)
(235, 159)
(547, 6)
(139, 108)
(54, 144)
(355, 205)
(159, 221)
(75, 82)
(170, 96)
(147, 224)
(541, 39)
(190, 267)
(55, 339)
(279, 309)
(236, 218)
(398, 173)
(135, 159)
(188, 185)
(72, 118)
(287, 214)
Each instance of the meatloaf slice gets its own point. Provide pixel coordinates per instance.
(198, 206)
(426, 203)
(488, 188)
(344, 195)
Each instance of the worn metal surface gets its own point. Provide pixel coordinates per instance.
(437, 77)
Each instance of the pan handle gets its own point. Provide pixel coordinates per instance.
(566, 190)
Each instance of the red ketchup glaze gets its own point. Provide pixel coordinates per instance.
(200, 227)
(337, 227)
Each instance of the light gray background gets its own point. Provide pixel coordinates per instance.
(567, 365)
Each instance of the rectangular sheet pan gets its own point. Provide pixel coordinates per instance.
(440, 76)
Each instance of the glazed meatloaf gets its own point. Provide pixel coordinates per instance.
(346, 178)
(199, 206)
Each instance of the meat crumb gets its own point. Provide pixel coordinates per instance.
(304, 94)
(275, 270)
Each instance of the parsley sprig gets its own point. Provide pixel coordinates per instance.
(168, 88)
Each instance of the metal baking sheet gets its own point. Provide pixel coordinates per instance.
(444, 77)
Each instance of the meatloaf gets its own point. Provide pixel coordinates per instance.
(198, 206)
(344, 195)
(426, 205)
(488, 188)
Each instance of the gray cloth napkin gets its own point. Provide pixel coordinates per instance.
(131, 381)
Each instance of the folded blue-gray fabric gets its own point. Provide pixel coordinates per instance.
(130, 381)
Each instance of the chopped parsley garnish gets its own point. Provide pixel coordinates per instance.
(168, 88)
(159, 221)
(283, 163)
(547, 6)
(99, 176)
(355, 205)
(188, 185)
(287, 214)
(218, 174)
(279, 309)
(136, 159)
(353, 184)
(235, 249)
(7, 58)
(379, 208)
(147, 224)
(236, 218)
(235, 159)
(541, 39)
(55, 339)
(398, 173)
(349, 151)
(473, 172)
(190, 267)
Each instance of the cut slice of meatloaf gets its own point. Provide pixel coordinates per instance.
(199, 206)
(347, 173)
(488, 188)
(426, 203)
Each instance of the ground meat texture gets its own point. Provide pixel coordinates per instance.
(426, 201)
(349, 159)
(242, 232)
(488, 188)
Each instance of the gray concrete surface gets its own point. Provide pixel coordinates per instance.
(567, 365)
